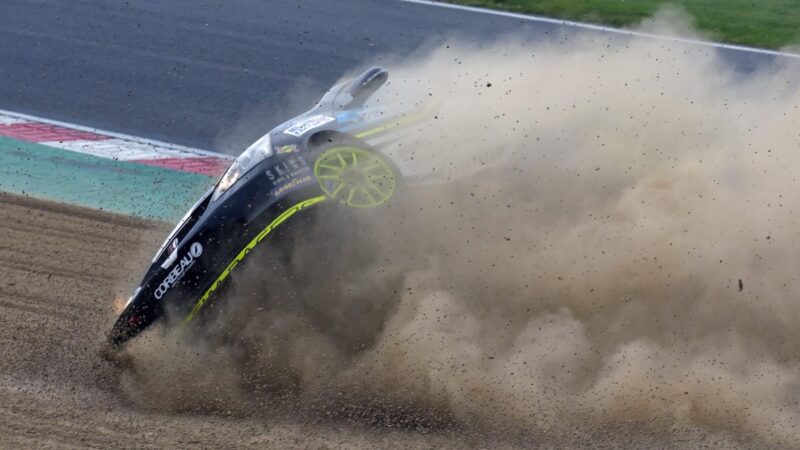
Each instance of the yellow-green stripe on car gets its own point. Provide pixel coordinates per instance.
(241, 255)
(403, 121)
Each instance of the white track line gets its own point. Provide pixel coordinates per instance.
(589, 26)
(127, 137)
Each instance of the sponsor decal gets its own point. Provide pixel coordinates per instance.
(302, 127)
(284, 149)
(347, 116)
(288, 175)
(363, 115)
(372, 114)
(290, 186)
(286, 170)
(179, 270)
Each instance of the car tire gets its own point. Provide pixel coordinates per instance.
(355, 175)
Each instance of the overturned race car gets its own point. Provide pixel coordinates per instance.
(342, 151)
(330, 153)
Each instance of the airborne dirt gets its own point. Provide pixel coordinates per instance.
(62, 266)
(615, 249)
(60, 269)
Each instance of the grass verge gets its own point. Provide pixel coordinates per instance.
(758, 23)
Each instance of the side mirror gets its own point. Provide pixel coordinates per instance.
(363, 86)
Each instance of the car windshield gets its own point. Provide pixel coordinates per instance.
(257, 152)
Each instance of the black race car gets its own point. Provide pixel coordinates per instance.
(330, 153)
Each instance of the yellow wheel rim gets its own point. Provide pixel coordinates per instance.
(355, 176)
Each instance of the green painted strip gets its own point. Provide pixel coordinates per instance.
(123, 187)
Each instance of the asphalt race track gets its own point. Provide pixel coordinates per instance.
(194, 75)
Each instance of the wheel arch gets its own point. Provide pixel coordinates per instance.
(327, 136)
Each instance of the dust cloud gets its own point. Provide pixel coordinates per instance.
(607, 235)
